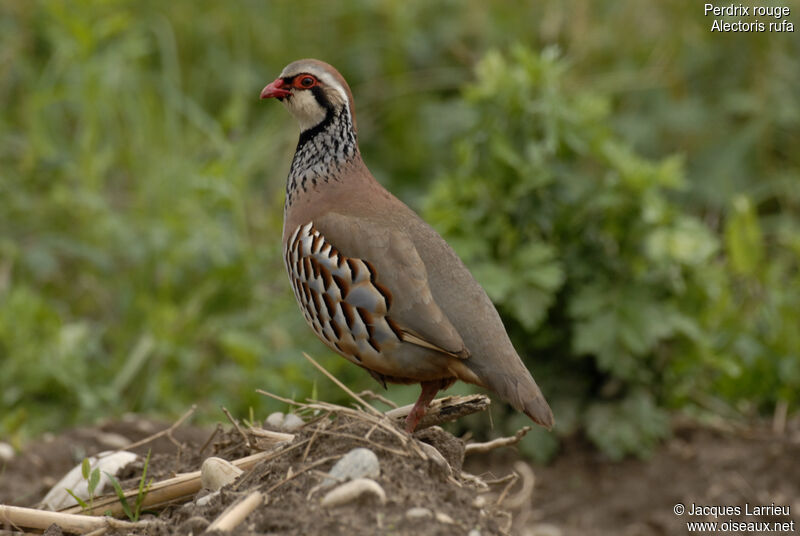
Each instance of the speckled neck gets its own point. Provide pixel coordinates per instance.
(322, 153)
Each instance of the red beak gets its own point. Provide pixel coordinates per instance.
(275, 90)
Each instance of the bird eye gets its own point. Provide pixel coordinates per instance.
(307, 82)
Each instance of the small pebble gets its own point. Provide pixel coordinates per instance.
(357, 463)
(474, 532)
(544, 529)
(479, 502)
(436, 457)
(441, 517)
(274, 420)
(112, 441)
(216, 473)
(419, 513)
(353, 490)
(292, 422)
(6, 452)
(205, 499)
(194, 525)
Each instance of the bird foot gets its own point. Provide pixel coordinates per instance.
(429, 390)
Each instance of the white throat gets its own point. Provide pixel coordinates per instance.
(305, 108)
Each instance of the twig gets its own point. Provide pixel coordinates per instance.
(165, 432)
(342, 386)
(365, 440)
(211, 437)
(522, 498)
(269, 435)
(501, 480)
(366, 393)
(236, 425)
(243, 481)
(368, 434)
(281, 399)
(379, 420)
(31, 518)
(444, 409)
(506, 489)
(303, 470)
(166, 491)
(233, 515)
(440, 410)
(481, 448)
(320, 425)
(475, 480)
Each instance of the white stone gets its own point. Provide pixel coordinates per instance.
(418, 513)
(274, 420)
(292, 422)
(205, 499)
(441, 517)
(479, 502)
(6, 452)
(357, 463)
(107, 462)
(216, 473)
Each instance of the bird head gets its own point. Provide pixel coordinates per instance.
(313, 91)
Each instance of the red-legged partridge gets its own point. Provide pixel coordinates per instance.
(376, 283)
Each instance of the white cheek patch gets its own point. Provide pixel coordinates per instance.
(329, 81)
(305, 108)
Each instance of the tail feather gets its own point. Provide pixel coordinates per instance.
(520, 390)
(537, 408)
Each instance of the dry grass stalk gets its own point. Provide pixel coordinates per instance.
(506, 489)
(369, 442)
(342, 386)
(31, 518)
(233, 515)
(235, 424)
(186, 485)
(481, 448)
(165, 432)
(375, 396)
(310, 466)
(165, 491)
(442, 410)
(525, 495)
(275, 437)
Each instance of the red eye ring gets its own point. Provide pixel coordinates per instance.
(304, 81)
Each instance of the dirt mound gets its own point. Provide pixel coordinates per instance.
(290, 482)
(581, 492)
(419, 487)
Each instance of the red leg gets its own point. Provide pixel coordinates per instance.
(429, 390)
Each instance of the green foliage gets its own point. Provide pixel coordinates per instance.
(92, 478)
(133, 512)
(583, 245)
(141, 191)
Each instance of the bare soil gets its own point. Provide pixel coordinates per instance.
(581, 492)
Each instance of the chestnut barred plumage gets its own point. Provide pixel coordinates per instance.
(375, 282)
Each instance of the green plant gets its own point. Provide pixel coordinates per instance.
(92, 478)
(613, 289)
(135, 511)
